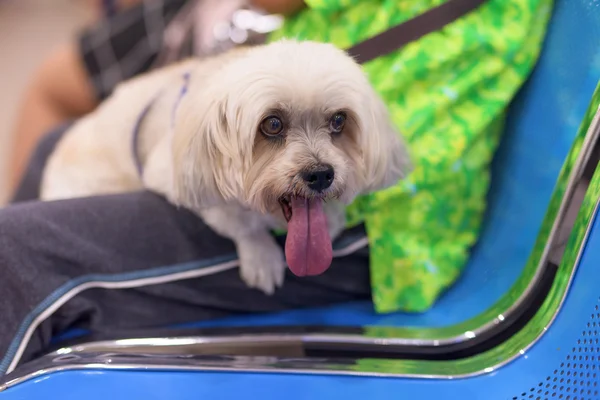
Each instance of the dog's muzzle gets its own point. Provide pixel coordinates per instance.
(318, 178)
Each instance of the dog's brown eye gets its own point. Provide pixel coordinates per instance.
(337, 122)
(271, 126)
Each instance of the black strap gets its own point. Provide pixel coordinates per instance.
(411, 30)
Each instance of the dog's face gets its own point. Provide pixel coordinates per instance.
(304, 150)
(283, 121)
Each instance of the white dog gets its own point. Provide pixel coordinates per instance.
(249, 140)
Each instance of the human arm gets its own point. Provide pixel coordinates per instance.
(284, 7)
(58, 90)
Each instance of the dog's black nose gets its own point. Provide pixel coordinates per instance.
(319, 178)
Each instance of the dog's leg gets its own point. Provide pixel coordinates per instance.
(262, 263)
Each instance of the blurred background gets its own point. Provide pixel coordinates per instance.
(35, 28)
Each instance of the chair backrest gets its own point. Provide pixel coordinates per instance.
(541, 125)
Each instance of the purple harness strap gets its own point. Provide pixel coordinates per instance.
(135, 137)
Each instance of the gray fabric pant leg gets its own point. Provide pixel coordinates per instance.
(134, 261)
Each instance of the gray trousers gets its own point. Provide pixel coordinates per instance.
(133, 261)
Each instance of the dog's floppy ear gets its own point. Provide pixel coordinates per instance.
(204, 174)
(385, 154)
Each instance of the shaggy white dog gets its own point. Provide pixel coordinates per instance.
(280, 135)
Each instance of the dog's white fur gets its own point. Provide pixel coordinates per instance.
(211, 157)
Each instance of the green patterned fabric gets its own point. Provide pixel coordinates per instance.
(447, 94)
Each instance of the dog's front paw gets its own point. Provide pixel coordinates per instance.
(262, 263)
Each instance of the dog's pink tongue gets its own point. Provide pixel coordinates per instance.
(308, 245)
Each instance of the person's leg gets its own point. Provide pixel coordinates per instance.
(134, 261)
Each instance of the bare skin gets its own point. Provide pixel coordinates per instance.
(60, 90)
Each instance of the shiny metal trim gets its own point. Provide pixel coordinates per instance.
(115, 361)
(562, 299)
(192, 345)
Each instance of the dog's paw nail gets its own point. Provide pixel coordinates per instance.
(269, 292)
